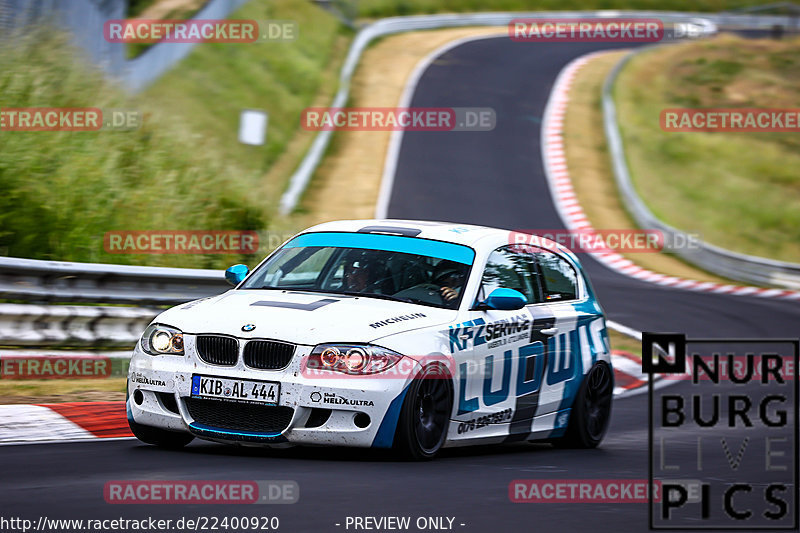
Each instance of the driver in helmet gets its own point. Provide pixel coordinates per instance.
(356, 276)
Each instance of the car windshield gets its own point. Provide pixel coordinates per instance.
(391, 267)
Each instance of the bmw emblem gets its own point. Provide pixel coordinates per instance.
(248, 327)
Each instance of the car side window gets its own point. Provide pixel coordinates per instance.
(559, 279)
(511, 270)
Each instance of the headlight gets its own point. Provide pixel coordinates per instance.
(357, 359)
(159, 339)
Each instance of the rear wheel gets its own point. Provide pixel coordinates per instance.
(591, 411)
(422, 427)
(160, 437)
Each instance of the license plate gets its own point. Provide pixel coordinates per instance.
(239, 390)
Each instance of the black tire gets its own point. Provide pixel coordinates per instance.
(591, 411)
(425, 416)
(159, 437)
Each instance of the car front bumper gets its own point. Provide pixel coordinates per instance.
(322, 408)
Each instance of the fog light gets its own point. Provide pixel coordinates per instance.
(361, 420)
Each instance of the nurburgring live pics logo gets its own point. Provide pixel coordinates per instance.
(740, 426)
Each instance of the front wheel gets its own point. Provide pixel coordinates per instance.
(160, 437)
(591, 411)
(422, 427)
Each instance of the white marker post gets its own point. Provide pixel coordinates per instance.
(253, 127)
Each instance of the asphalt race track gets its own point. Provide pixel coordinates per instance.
(493, 178)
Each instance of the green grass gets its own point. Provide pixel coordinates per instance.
(60, 192)
(624, 343)
(740, 191)
(386, 8)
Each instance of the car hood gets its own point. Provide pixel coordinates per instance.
(302, 317)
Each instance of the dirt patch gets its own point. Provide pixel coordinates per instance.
(164, 9)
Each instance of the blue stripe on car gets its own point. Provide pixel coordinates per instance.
(390, 243)
(229, 434)
(384, 438)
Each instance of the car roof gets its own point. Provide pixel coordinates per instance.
(440, 231)
(467, 234)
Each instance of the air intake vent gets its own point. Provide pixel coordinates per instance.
(235, 416)
(168, 401)
(218, 350)
(268, 355)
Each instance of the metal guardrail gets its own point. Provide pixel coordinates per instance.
(141, 71)
(736, 266)
(53, 281)
(389, 26)
(72, 325)
(86, 19)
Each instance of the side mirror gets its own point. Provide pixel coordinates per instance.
(504, 300)
(236, 273)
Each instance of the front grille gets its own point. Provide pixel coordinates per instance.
(240, 416)
(218, 350)
(268, 355)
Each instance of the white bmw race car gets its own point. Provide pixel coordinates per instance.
(383, 333)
